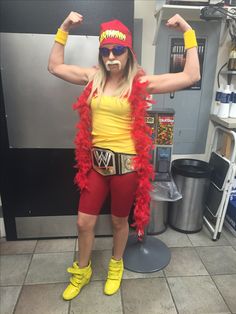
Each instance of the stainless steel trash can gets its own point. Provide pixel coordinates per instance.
(192, 178)
(161, 194)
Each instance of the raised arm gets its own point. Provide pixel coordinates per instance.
(70, 73)
(170, 82)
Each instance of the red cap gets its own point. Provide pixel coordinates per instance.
(115, 32)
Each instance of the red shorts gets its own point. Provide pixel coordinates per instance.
(121, 187)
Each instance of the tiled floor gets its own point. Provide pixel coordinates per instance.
(201, 278)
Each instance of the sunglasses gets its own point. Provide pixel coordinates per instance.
(116, 51)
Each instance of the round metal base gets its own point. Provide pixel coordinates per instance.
(146, 256)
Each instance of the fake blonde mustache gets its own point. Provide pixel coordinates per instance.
(111, 63)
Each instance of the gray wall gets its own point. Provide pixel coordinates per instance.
(192, 107)
(37, 121)
(38, 106)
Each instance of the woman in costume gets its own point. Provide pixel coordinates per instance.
(113, 142)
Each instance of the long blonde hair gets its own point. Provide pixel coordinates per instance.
(130, 71)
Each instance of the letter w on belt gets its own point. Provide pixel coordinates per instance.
(107, 162)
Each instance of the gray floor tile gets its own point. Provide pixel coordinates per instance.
(133, 275)
(227, 286)
(218, 260)
(92, 300)
(229, 236)
(173, 238)
(103, 243)
(150, 295)
(197, 295)
(49, 268)
(38, 299)
(58, 245)
(204, 238)
(13, 269)
(56, 255)
(185, 262)
(9, 296)
(17, 247)
(100, 261)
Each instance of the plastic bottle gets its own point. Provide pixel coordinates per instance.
(224, 103)
(232, 112)
(216, 106)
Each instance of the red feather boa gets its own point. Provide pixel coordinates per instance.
(141, 135)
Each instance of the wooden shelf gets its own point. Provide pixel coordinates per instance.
(229, 123)
(229, 72)
(166, 11)
(187, 12)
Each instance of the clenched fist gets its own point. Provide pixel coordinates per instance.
(74, 19)
(177, 22)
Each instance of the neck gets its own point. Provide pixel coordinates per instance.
(115, 77)
(112, 83)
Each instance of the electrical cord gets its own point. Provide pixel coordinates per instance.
(230, 22)
(219, 7)
(224, 11)
(232, 29)
(218, 74)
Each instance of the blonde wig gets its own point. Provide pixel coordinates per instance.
(130, 71)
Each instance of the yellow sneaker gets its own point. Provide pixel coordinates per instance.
(80, 278)
(115, 272)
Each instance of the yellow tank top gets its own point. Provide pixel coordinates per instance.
(111, 124)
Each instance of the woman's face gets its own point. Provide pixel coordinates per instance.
(114, 57)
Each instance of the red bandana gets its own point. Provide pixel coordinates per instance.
(141, 135)
(115, 32)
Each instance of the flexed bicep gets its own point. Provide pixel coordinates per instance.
(74, 74)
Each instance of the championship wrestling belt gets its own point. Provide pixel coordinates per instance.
(107, 163)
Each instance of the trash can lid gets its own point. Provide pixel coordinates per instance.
(191, 168)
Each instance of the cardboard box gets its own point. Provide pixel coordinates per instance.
(233, 191)
(230, 217)
(188, 2)
(226, 147)
(162, 126)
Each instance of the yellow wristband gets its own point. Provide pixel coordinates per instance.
(190, 40)
(61, 36)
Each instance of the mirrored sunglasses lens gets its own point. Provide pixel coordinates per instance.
(104, 51)
(118, 50)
